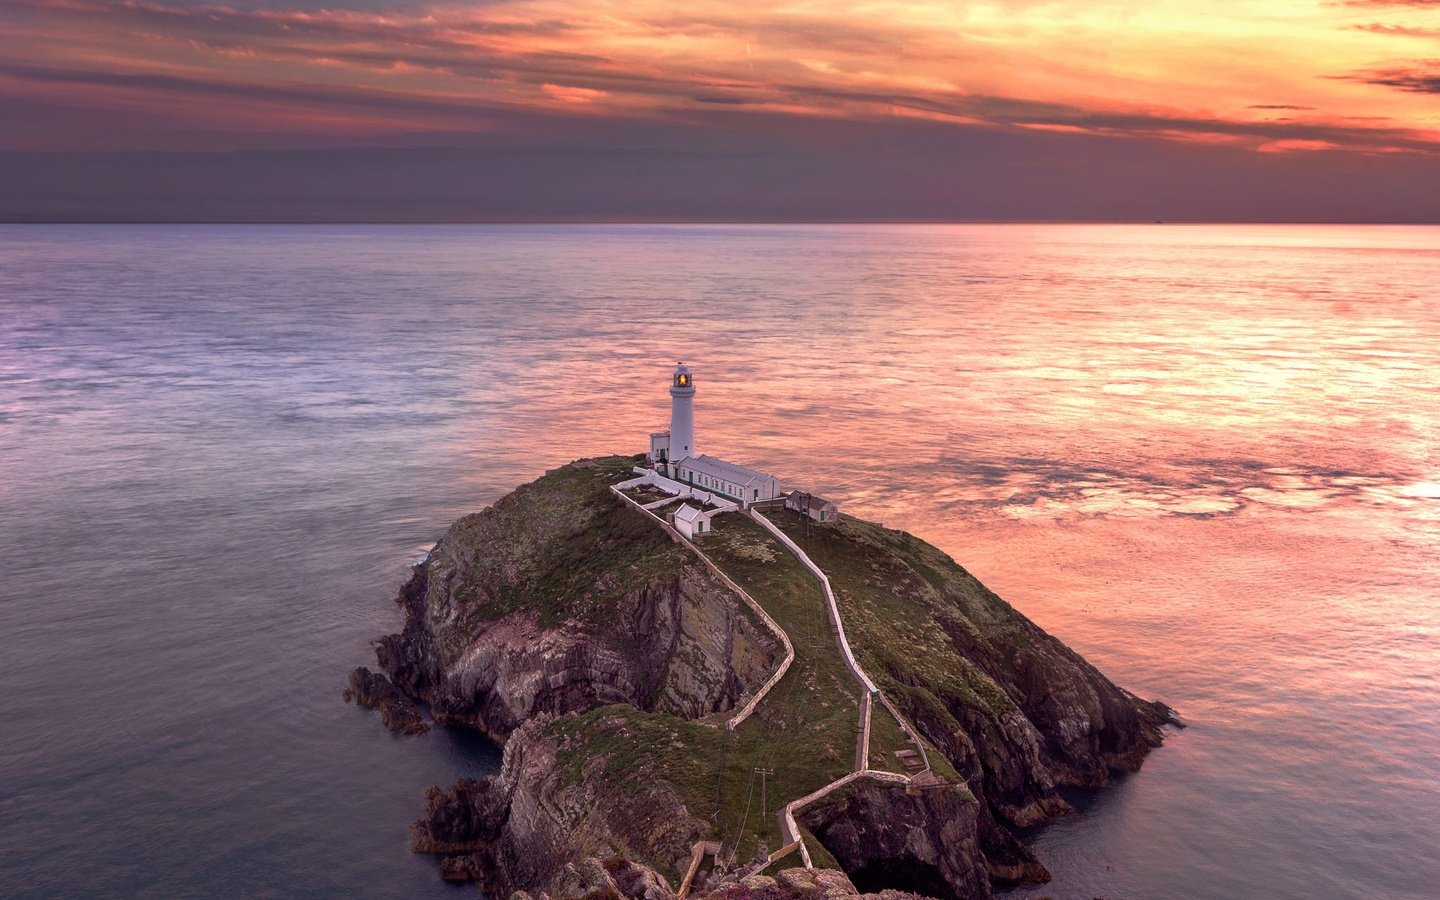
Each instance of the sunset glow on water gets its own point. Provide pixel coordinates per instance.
(1204, 457)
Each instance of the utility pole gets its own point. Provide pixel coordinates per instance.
(764, 807)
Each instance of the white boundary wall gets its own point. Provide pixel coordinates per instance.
(835, 622)
(745, 711)
(677, 490)
(839, 627)
(790, 831)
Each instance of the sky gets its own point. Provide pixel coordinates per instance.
(645, 110)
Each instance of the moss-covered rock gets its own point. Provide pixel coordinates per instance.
(575, 628)
(1016, 710)
(561, 597)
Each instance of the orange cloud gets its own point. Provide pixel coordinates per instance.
(1293, 146)
(1162, 70)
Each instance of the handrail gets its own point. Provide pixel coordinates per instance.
(839, 628)
(734, 721)
(862, 746)
(790, 830)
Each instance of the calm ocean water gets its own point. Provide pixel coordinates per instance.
(1204, 456)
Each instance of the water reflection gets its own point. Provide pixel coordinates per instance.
(1202, 456)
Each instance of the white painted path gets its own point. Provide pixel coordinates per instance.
(749, 707)
(838, 627)
(789, 829)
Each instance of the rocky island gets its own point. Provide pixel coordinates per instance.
(685, 716)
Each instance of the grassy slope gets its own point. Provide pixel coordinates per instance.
(563, 546)
(893, 590)
(804, 730)
(585, 550)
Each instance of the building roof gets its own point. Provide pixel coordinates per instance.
(687, 513)
(811, 501)
(726, 471)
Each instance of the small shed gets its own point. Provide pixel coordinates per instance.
(659, 447)
(817, 508)
(690, 521)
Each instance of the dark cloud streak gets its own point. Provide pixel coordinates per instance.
(347, 116)
(1390, 4)
(1398, 30)
(1423, 77)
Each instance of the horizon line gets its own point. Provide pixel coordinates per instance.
(668, 222)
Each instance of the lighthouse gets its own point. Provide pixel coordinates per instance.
(682, 414)
(684, 472)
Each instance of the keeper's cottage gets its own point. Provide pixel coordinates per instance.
(674, 455)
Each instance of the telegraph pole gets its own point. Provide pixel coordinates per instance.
(764, 807)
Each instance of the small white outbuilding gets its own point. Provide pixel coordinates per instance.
(690, 521)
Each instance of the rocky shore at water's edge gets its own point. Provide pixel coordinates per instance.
(605, 657)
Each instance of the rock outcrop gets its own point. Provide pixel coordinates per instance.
(800, 884)
(923, 841)
(1014, 710)
(529, 826)
(374, 691)
(604, 655)
(530, 831)
(559, 599)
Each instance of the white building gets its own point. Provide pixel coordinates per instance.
(673, 453)
(690, 521)
(739, 483)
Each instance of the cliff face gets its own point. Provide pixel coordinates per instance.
(605, 656)
(937, 842)
(547, 826)
(1016, 711)
(560, 599)
(532, 828)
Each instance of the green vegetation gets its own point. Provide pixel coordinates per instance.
(646, 494)
(886, 737)
(804, 731)
(581, 550)
(634, 749)
(891, 592)
(905, 603)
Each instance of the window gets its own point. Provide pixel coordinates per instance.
(757, 494)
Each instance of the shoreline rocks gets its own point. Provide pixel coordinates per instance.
(374, 691)
(570, 629)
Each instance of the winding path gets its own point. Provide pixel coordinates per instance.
(749, 707)
(789, 829)
(838, 627)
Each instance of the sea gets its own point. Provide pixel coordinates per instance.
(1203, 456)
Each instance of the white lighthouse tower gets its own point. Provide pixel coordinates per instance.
(683, 472)
(682, 415)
